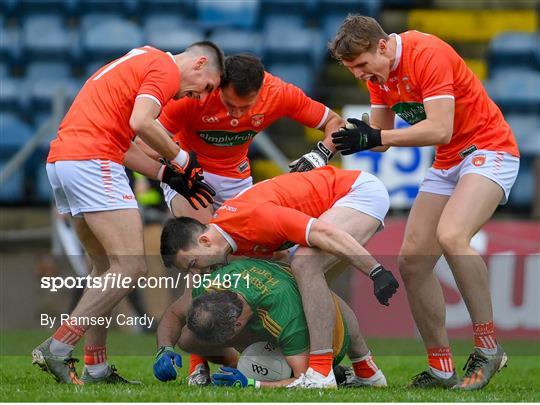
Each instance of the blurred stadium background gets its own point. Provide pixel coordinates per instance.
(49, 47)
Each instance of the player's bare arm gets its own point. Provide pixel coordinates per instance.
(168, 334)
(143, 122)
(382, 118)
(324, 150)
(298, 364)
(229, 376)
(137, 160)
(332, 124)
(173, 320)
(146, 149)
(436, 129)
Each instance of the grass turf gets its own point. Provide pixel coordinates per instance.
(399, 359)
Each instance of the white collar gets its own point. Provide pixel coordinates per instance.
(227, 237)
(399, 51)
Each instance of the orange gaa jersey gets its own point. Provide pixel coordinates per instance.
(97, 123)
(276, 214)
(220, 141)
(427, 68)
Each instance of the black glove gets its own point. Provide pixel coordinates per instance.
(384, 284)
(318, 157)
(361, 137)
(194, 190)
(191, 169)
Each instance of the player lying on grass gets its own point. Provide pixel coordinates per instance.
(247, 301)
(329, 212)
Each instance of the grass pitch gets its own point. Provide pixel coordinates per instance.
(133, 356)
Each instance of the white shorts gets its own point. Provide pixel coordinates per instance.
(500, 167)
(225, 187)
(369, 196)
(90, 186)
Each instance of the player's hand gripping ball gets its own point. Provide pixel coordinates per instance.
(231, 377)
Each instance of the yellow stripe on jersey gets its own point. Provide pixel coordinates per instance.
(268, 323)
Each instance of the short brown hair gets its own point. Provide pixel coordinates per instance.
(245, 73)
(357, 34)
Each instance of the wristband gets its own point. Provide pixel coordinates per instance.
(160, 172)
(324, 150)
(182, 158)
(375, 270)
(163, 349)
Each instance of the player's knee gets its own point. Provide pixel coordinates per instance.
(305, 267)
(408, 261)
(452, 240)
(134, 268)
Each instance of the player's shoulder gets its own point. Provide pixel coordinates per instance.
(155, 56)
(419, 42)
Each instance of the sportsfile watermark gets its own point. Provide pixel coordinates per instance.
(117, 280)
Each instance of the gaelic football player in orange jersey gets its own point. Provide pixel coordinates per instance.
(221, 128)
(85, 167)
(424, 81)
(329, 212)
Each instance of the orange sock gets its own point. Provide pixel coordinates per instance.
(321, 363)
(440, 358)
(364, 367)
(484, 335)
(95, 355)
(69, 334)
(194, 361)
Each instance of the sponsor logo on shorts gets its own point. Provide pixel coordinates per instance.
(479, 160)
(242, 167)
(128, 197)
(467, 151)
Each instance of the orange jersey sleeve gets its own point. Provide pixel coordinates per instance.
(97, 123)
(435, 74)
(157, 83)
(302, 108)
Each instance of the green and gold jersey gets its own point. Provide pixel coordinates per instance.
(270, 290)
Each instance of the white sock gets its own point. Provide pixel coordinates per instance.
(441, 374)
(58, 348)
(97, 370)
(489, 352)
